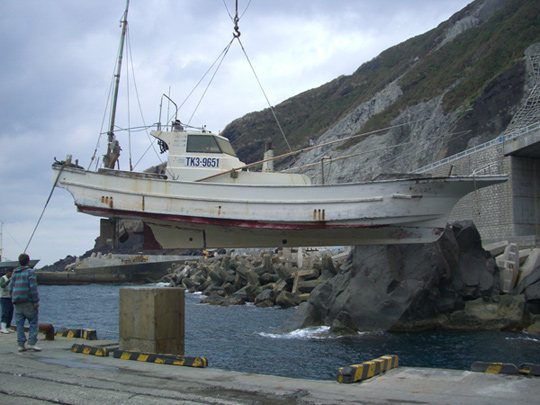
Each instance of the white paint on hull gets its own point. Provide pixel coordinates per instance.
(203, 214)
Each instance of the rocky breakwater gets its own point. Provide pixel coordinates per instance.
(453, 283)
(265, 278)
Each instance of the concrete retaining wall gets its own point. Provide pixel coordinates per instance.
(504, 211)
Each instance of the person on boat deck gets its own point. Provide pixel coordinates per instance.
(24, 294)
(7, 305)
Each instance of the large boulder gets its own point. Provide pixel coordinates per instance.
(403, 287)
(505, 313)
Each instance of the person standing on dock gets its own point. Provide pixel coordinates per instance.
(7, 305)
(24, 294)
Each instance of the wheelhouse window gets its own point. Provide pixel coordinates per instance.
(226, 147)
(208, 144)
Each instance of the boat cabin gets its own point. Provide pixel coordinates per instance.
(196, 155)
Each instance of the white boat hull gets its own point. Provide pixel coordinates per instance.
(186, 214)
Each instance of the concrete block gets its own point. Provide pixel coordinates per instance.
(509, 267)
(530, 271)
(494, 368)
(368, 369)
(152, 319)
(496, 248)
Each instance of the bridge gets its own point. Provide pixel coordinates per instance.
(509, 211)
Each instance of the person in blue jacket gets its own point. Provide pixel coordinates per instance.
(24, 294)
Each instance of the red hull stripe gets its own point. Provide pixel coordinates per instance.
(106, 212)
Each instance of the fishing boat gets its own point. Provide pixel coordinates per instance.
(207, 198)
(4, 266)
(7, 264)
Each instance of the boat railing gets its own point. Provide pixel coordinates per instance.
(173, 122)
(501, 139)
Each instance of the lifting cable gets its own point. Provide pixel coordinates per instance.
(46, 203)
(307, 149)
(264, 93)
(221, 57)
(236, 36)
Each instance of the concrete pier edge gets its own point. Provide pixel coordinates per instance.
(57, 374)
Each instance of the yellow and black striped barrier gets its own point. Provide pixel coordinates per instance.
(170, 359)
(70, 333)
(368, 369)
(88, 334)
(529, 369)
(494, 368)
(95, 351)
(506, 368)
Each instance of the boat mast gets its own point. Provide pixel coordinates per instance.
(113, 147)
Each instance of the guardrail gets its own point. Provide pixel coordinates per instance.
(501, 139)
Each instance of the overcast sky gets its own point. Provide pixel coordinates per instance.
(57, 59)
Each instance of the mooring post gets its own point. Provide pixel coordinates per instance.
(152, 319)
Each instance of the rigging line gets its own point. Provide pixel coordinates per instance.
(11, 236)
(144, 127)
(230, 15)
(335, 159)
(103, 120)
(46, 203)
(210, 82)
(299, 151)
(264, 93)
(412, 152)
(221, 55)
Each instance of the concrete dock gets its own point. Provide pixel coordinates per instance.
(58, 375)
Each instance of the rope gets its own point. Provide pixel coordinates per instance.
(264, 93)
(224, 53)
(333, 159)
(47, 203)
(299, 151)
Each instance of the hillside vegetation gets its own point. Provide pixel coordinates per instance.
(425, 67)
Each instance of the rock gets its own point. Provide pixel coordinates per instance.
(246, 277)
(534, 327)
(286, 299)
(506, 314)
(407, 287)
(305, 316)
(343, 324)
(213, 300)
(265, 299)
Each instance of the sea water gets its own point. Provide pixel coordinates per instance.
(246, 338)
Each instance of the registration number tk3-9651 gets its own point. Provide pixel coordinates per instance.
(202, 162)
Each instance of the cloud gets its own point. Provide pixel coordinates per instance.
(58, 60)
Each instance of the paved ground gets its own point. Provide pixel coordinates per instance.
(58, 375)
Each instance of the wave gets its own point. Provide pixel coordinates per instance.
(530, 338)
(315, 332)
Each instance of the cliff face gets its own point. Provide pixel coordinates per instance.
(449, 89)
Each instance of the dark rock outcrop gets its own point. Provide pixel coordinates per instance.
(451, 283)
